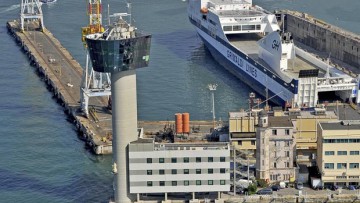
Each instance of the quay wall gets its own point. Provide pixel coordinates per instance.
(321, 36)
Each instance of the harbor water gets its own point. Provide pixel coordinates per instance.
(41, 157)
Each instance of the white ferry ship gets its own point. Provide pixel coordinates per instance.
(247, 40)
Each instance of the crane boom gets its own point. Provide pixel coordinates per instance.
(94, 9)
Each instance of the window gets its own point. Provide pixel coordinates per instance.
(222, 170)
(263, 152)
(186, 182)
(239, 142)
(174, 183)
(161, 160)
(222, 182)
(161, 171)
(342, 153)
(149, 160)
(252, 142)
(186, 159)
(198, 159)
(287, 164)
(227, 28)
(222, 159)
(329, 153)
(287, 154)
(198, 182)
(210, 171)
(186, 171)
(329, 165)
(210, 159)
(149, 183)
(287, 143)
(173, 171)
(275, 165)
(173, 160)
(210, 182)
(274, 132)
(237, 27)
(248, 27)
(198, 171)
(149, 172)
(287, 132)
(354, 165)
(354, 152)
(263, 162)
(162, 183)
(341, 165)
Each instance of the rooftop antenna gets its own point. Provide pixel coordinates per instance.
(108, 14)
(129, 12)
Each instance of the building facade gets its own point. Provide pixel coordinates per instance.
(178, 167)
(306, 132)
(275, 148)
(338, 155)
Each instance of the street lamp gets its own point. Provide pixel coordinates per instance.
(212, 88)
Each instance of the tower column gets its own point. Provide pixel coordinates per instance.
(124, 122)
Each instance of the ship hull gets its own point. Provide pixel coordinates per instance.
(243, 68)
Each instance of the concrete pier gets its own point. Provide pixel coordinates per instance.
(63, 75)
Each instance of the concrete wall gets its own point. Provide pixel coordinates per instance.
(342, 45)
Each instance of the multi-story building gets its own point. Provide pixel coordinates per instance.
(338, 156)
(306, 132)
(178, 167)
(275, 148)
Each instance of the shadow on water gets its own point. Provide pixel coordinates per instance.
(180, 43)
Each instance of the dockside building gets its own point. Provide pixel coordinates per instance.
(178, 167)
(338, 152)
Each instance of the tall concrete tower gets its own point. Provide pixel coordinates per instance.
(120, 50)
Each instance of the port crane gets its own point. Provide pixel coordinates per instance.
(31, 10)
(94, 84)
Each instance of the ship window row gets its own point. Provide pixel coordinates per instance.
(341, 141)
(186, 160)
(241, 27)
(331, 153)
(185, 171)
(341, 165)
(185, 183)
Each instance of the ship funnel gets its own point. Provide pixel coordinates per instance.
(271, 51)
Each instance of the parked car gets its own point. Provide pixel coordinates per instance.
(320, 187)
(331, 187)
(299, 185)
(265, 191)
(352, 187)
(275, 187)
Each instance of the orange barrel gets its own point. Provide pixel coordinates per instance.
(186, 122)
(178, 123)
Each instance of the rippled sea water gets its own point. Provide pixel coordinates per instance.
(41, 157)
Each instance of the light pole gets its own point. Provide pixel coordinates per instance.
(212, 88)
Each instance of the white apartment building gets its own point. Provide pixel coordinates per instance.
(178, 167)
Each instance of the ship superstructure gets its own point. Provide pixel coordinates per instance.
(248, 41)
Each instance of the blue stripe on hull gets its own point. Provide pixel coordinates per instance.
(239, 73)
(294, 83)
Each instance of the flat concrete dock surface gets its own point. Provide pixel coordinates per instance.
(63, 74)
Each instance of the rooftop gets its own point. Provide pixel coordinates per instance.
(280, 121)
(340, 125)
